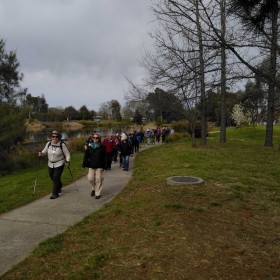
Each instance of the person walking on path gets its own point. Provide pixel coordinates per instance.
(137, 140)
(108, 143)
(125, 150)
(94, 159)
(148, 136)
(116, 141)
(58, 155)
(158, 134)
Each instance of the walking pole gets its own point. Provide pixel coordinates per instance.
(36, 177)
(72, 177)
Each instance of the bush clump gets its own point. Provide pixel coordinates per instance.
(77, 144)
(16, 160)
(180, 126)
(175, 136)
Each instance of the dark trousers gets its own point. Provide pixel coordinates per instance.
(115, 155)
(121, 161)
(108, 160)
(136, 147)
(55, 175)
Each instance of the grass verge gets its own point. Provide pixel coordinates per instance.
(17, 189)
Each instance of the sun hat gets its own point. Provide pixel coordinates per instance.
(55, 133)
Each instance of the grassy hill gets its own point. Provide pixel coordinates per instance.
(228, 228)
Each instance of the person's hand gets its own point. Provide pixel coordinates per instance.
(40, 154)
(67, 163)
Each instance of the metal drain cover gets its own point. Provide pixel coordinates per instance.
(184, 180)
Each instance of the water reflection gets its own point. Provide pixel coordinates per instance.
(38, 138)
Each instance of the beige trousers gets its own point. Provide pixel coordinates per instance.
(95, 177)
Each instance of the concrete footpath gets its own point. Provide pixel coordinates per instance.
(22, 229)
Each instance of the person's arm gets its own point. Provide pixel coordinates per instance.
(66, 153)
(44, 151)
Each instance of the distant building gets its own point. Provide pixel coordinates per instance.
(97, 118)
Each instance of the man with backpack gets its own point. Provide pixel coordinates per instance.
(58, 155)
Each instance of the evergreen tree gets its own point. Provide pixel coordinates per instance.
(9, 76)
(11, 115)
(116, 110)
(71, 113)
(84, 113)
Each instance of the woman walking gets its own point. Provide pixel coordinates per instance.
(125, 150)
(108, 143)
(94, 159)
(58, 155)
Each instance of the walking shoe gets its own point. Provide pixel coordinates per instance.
(54, 196)
(92, 193)
(98, 196)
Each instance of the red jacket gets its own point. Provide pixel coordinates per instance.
(108, 143)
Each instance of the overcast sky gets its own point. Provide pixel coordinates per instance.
(77, 52)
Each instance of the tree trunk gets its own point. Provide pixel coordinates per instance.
(223, 75)
(202, 79)
(271, 87)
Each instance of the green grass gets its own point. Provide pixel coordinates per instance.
(227, 228)
(17, 189)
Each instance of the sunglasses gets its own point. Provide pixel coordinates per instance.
(55, 137)
(94, 137)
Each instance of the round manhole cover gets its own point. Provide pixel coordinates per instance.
(184, 180)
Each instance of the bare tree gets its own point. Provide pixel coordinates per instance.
(185, 60)
(105, 110)
(135, 92)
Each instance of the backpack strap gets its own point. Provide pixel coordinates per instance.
(61, 142)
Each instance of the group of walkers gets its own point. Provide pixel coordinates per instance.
(98, 155)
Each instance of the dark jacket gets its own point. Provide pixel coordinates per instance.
(125, 148)
(94, 158)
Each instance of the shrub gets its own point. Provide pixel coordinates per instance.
(17, 159)
(175, 136)
(77, 144)
(180, 126)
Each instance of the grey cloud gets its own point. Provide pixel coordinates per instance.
(71, 46)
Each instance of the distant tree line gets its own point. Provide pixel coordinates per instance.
(165, 107)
